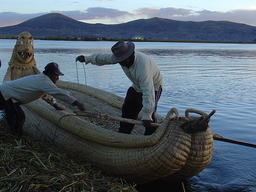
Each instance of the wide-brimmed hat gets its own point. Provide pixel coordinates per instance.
(122, 51)
(53, 68)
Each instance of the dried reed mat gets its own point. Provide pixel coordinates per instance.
(29, 165)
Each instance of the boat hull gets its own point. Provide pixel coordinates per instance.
(169, 153)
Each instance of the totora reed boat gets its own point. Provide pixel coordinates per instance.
(170, 153)
(180, 148)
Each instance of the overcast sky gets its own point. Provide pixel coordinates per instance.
(120, 11)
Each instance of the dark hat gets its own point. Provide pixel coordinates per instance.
(53, 68)
(122, 51)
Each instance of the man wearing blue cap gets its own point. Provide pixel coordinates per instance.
(27, 89)
(146, 78)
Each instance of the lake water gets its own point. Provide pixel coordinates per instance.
(203, 76)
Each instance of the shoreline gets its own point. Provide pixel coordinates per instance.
(134, 40)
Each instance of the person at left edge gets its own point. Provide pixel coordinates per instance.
(27, 89)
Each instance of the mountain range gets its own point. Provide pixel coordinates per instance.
(57, 25)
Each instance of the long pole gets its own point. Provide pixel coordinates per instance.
(132, 121)
(107, 117)
(220, 138)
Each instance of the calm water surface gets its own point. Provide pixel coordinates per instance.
(202, 76)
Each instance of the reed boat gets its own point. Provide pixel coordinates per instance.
(170, 153)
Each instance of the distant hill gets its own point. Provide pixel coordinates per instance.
(58, 25)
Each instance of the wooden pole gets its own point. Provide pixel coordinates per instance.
(107, 117)
(207, 117)
(132, 121)
(220, 138)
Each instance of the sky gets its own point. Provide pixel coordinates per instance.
(121, 11)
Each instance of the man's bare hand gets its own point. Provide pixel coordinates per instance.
(146, 123)
(57, 107)
(80, 106)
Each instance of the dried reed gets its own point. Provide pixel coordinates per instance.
(29, 165)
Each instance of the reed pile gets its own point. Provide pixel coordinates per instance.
(29, 165)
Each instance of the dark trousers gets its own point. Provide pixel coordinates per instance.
(131, 108)
(15, 116)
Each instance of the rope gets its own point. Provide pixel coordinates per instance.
(57, 125)
(183, 187)
(77, 76)
(85, 81)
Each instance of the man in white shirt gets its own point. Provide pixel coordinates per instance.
(147, 81)
(27, 89)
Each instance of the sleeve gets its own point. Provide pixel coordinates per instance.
(51, 89)
(99, 59)
(148, 92)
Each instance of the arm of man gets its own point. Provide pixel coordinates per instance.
(79, 105)
(52, 89)
(144, 76)
(96, 59)
(148, 100)
(49, 99)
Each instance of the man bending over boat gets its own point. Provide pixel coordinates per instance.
(27, 89)
(147, 81)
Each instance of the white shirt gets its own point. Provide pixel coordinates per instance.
(32, 87)
(144, 74)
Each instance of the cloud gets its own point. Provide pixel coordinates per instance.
(11, 18)
(94, 13)
(91, 14)
(108, 15)
(238, 16)
(164, 12)
(99, 15)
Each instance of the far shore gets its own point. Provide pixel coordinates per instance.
(134, 40)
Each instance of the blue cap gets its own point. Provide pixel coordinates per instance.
(53, 68)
